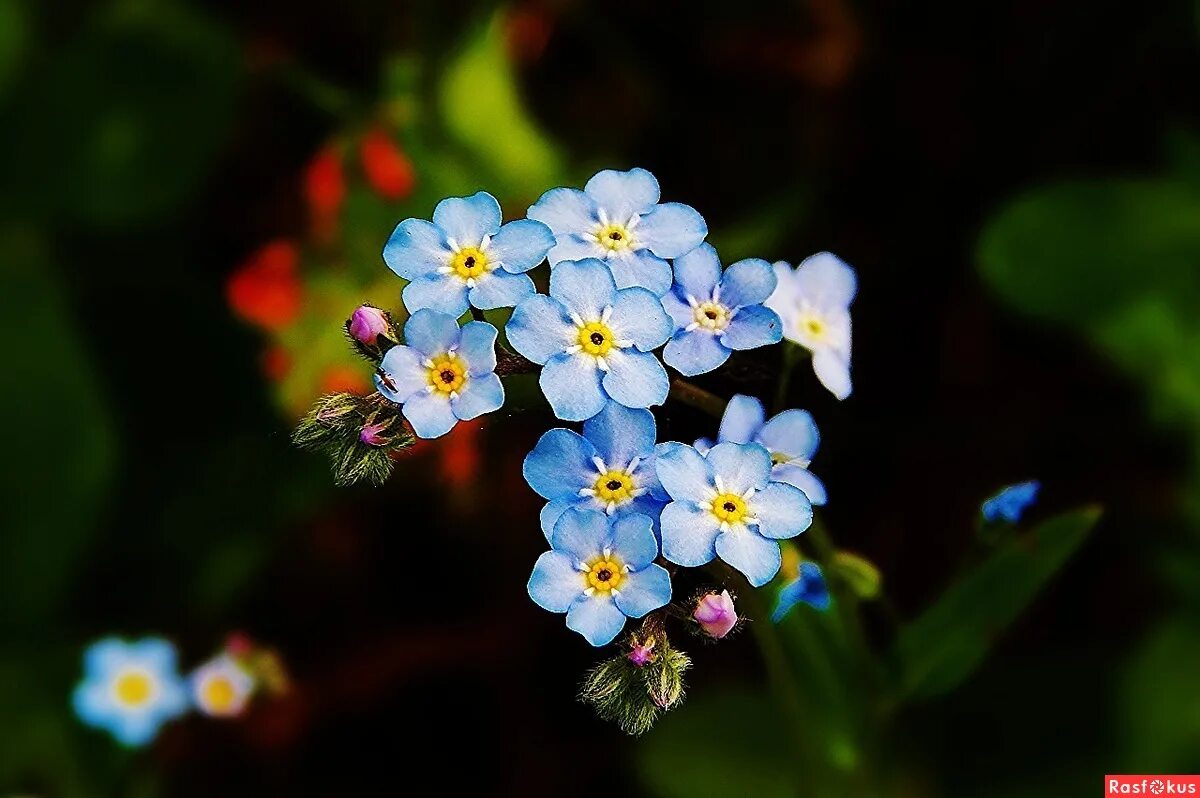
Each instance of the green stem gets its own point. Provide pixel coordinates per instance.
(683, 391)
(791, 355)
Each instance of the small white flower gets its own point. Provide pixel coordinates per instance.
(221, 687)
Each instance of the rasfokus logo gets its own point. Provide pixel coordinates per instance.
(1151, 785)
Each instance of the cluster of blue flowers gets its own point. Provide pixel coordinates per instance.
(631, 279)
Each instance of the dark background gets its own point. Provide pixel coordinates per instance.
(1017, 184)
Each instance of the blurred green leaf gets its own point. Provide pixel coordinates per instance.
(1160, 701)
(942, 648)
(14, 36)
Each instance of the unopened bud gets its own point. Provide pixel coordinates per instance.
(716, 614)
(366, 324)
(642, 652)
(373, 435)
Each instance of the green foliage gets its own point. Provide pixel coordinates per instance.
(1160, 700)
(634, 698)
(14, 36)
(857, 573)
(940, 649)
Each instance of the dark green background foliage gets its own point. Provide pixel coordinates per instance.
(1018, 186)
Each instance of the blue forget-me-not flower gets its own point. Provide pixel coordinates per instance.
(808, 587)
(716, 313)
(1011, 502)
(599, 571)
(130, 689)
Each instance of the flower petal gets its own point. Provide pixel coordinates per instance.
(438, 292)
(740, 466)
(622, 194)
(697, 273)
(803, 479)
(416, 248)
(555, 583)
(572, 246)
(430, 414)
(553, 510)
(571, 384)
(679, 311)
(833, 371)
(688, 534)
(520, 245)
(671, 229)
(565, 210)
(584, 287)
(560, 464)
(742, 420)
(755, 556)
(477, 345)
(540, 328)
(638, 316)
(430, 332)
(783, 511)
(825, 281)
(793, 433)
(752, 327)
(644, 591)
(633, 540)
(635, 379)
(583, 534)
(685, 474)
(695, 352)
(104, 657)
(402, 366)
(468, 219)
(596, 618)
(501, 289)
(641, 269)
(482, 394)
(621, 433)
(747, 282)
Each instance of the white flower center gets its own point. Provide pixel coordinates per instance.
(595, 339)
(614, 485)
(469, 264)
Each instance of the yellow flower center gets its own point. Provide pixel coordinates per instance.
(219, 694)
(447, 373)
(469, 262)
(613, 487)
(711, 315)
(133, 688)
(778, 458)
(614, 237)
(595, 338)
(729, 508)
(812, 327)
(605, 574)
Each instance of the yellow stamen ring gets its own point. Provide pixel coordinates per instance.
(219, 694)
(614, 237)
(711, 315)
(469, 262)
(729, 508)
(605, 574)
(133, 688)
(613, 487)
(595, 338)
(447, 373)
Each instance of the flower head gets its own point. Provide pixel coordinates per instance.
(609, 468)
(716, 614)
(791, 438)
(617, 218)
(595, 341)
(367, 323)
(809, 587)
(221, 687)
(726, 505)
(442, 374)
(599, 571)
(1011, 502)
(716, 313)
(465, 257)
(130, 689)
(814, 303)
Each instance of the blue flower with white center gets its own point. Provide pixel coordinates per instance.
(465, 256)
(1011, 502)
(725, 504)
(791, 438)
(130, 689)
(809, 588)
(716, 313)
(593, 340)
(617, 218)
(442, 375)
(610, 467)
(814, 303)
(600, 570)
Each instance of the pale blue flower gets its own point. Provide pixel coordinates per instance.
(599, 571)
(441, 374)
(809, 588)
(594, 341)
(814, 303)
(617, 218)
(716, 313)
(726, 505)
(791, 437)
(1011, 502)
(466, 257)
(130, 689)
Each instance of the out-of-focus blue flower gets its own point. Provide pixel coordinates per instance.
(617, 218)
(130, 689)
(791, 437)
(610, 467)
(599, 571)
(809, 587)
(221, 687)
(595, 341)
(814, 303)
(726, 505)
(716, 313)
(465, 256)
(442, 374)
(1011, 502)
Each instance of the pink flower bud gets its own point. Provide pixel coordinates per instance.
(373, 435)
(367, 324)
(641, 653)
(715, 614)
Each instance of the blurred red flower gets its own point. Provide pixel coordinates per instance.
(276, 363)
(459, 461)
(325, 191)
(387, 168)
(265, 289)
(338, 379)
